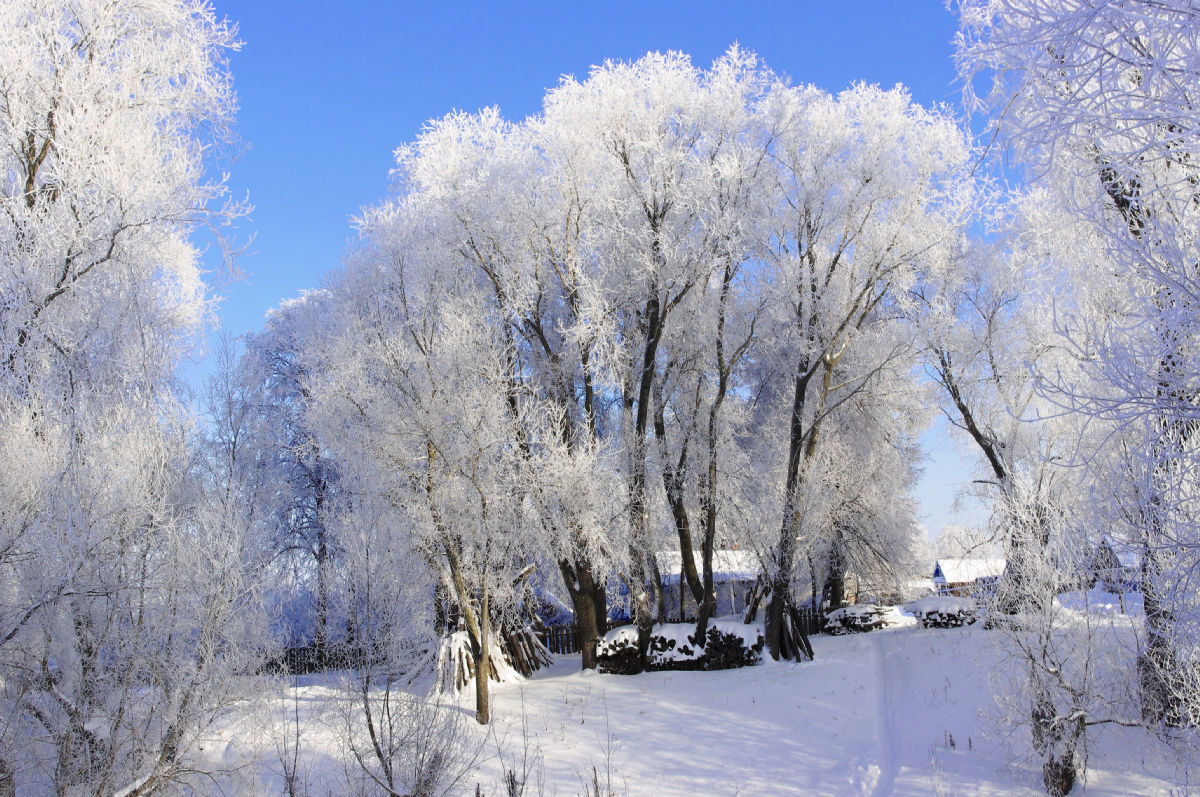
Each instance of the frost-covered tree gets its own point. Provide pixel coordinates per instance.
(987, 331)
(707, 179)
(1098, 99)
(105, 110)
(990, 336)
(699, 408)
(866, 205)
(420, 393)
(507, 203)
(670, 279)
(682, 160)
(301, 476)
(645, 124)
(117, 615)
(606, 232)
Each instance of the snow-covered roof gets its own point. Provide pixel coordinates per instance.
(727, 564)
(941, 604)
(965, 571)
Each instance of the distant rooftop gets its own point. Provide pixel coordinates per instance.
(727, 564)
(965, 571)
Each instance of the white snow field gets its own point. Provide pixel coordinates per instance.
(899, 711)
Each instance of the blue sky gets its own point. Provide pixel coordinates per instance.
(328, 91)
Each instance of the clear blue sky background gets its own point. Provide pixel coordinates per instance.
(329, 90)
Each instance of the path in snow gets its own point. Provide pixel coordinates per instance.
(885, 726)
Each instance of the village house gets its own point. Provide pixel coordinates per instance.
(966, 577)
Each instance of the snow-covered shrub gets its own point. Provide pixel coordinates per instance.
(727, 645)
(859, 617)
(943, 611)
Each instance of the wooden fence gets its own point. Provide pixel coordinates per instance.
(564, 639)
(809, 621)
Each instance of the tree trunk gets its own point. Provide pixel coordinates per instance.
(589, 632)
(757, 592)
(590, 602)
(321, 637)
(639, 600)
(672, 477)
(682, 595)
(1157, 665)
(707, 607)
(773, 622)
(483, 670)
(815, 593)
(640, 546)
(478, 624)
(834, 591)
(780, 581)
(656, 589)
(441, 615)
(1057, 740)
(483, 713)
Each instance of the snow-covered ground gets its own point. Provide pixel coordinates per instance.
(903, 710)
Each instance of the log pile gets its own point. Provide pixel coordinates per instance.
(514, 651)
(524, 651)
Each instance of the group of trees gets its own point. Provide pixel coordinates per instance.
(673, 311)
(679, 309)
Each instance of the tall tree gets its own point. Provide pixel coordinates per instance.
(645, 122)
(1099, 99)
(295, 463)
(989, 335)
(419, 391)
(530, 255)
(867, 204)
(111, 656)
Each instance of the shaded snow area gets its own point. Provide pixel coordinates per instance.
(1099, 601)
(900, 711)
